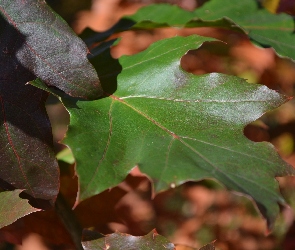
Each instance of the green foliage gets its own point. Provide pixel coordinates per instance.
(264, 28)
(175, 126)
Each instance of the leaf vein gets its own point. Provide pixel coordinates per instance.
(238, 152)
(105, 149)
(12, 146)
(152, 58)
(167, 157)
(192, 101)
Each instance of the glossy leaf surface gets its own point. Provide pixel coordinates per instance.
(117, 241)
(35, 42)
(27, 156)
(50, 50)
(176, 127)
(12, 207)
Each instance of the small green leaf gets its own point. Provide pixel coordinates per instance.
(12, 207)
(160, 15)
(66, 155)
(262, 27)
(117, 241)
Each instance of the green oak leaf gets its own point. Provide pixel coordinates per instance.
(176, 127)
(12, 207)
(262, 27)
(117, 241)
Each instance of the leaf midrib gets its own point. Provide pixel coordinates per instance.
(193, 101)
(174, 136)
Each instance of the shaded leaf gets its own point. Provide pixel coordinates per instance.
(50, 49)
(12, 207)
(103, 205)
(27, 155)
(176, 127)
(48, 225)
(90, 36)
(182, 247)
(90, 235)
(35, 42)
(95, 212)
(106, 66)
(13, 232)
(264, 28)
(68, 9)
(287, 6)
(124, 241)
(209, 246)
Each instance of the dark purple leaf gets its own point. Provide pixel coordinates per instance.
(49, 48)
